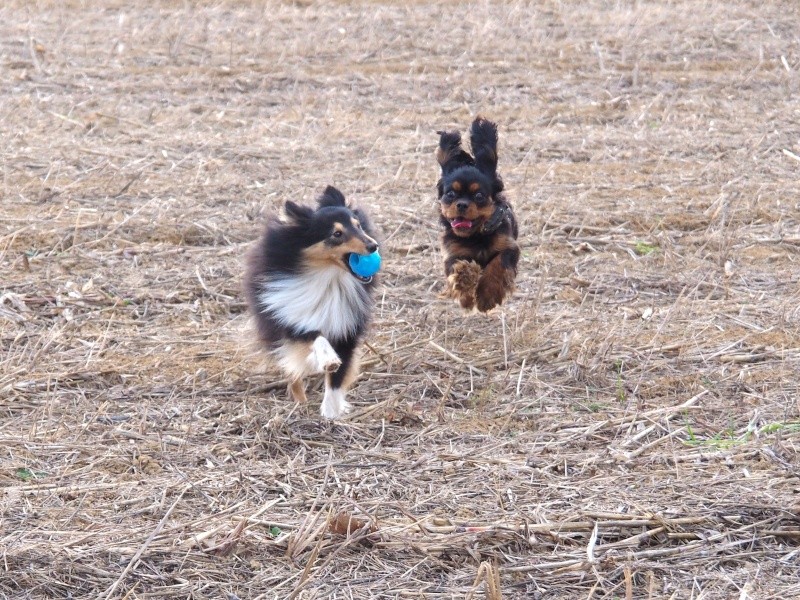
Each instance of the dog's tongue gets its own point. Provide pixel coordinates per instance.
(460, 223)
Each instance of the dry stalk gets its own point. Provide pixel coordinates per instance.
(627, 426)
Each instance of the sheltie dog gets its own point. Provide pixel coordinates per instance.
(311, 310)
(479, 229)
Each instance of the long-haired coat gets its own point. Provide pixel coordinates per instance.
(311, 310)
(479, 227)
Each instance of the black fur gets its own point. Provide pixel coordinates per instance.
(478, 222)
(279, 254)
(346, 351)
(331, 197)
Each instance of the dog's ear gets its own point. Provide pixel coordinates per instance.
(295, 213)
(331, 197)
(483, 138)
(450, 154)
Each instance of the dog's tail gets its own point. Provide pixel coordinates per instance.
(483, 138)
(450, 154)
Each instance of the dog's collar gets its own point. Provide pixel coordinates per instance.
(498, 218)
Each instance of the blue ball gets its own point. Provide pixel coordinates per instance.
(365, 265)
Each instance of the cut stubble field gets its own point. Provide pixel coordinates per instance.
(627, 426)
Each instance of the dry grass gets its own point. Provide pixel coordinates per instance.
(627, 427)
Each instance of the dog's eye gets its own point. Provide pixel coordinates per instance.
(479, 197)
(337, 234)
(450, 195)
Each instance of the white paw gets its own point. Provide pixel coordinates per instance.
(334, 406)
(323, 357)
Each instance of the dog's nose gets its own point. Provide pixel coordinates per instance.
(371, 247)
(462, 205)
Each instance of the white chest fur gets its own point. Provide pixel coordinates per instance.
(328, 300)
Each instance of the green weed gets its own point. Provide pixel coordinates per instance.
(788, 427)
(26, 474)
(643, 248)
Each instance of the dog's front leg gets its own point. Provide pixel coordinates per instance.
(463, 275)
(323, 358)
(334, 404)
(497, 279)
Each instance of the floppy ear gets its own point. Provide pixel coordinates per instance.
(295, 213)
(483, 138)
(450, 154)
(331, 197)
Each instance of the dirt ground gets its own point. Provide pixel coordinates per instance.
(627, 426)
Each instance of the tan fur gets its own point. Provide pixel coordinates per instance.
(502, 242)
(292, 358)
(296, 391)
(475, 214)
(495, 283)
(321, 254)
(472, 285)
(441, 156)
(463, 282)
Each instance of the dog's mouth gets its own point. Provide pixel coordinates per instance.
(362, 279)
(461, 223)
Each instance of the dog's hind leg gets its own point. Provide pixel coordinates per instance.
(300, 358)
(297, 390)
(334, 404)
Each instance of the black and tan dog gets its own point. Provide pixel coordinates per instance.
(480, 229)
(311, 309)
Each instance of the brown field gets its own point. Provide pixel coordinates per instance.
(627, 426)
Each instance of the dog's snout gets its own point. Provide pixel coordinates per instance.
(462, 205)
(371, 247)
